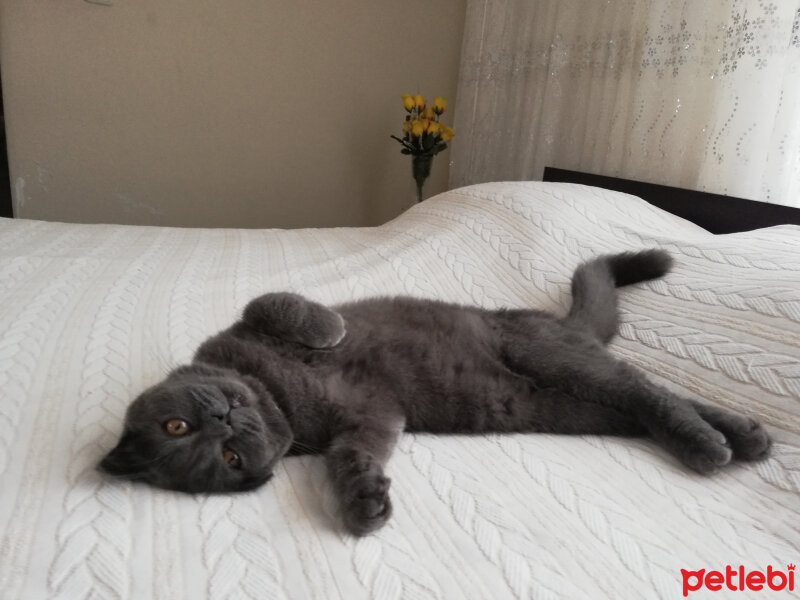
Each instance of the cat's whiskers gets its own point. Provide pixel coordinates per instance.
(306, 447)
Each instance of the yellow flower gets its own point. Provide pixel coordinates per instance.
(408, 102)
(406, 126)
(428, 114)
(439, 105)
(447, 133)
(420, 101)
(434, 128)
(418, 127)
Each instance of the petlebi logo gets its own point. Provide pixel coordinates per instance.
(739, 579)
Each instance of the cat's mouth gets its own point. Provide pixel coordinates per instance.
(237, 399)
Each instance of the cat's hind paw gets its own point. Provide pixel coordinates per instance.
(705, 451)
(749, 440)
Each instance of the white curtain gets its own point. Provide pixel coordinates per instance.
(689, 93)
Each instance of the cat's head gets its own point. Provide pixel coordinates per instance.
(202, 429)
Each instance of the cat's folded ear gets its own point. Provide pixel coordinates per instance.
(123, 459)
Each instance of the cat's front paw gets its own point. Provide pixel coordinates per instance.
(325, 330)
(368, 506)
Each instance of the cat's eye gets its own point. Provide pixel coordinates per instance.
(231, 458)
(177, 427)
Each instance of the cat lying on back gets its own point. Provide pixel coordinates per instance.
(293, 376)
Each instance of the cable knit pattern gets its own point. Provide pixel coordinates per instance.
(92, 314)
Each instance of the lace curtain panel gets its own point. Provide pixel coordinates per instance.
(702, 95)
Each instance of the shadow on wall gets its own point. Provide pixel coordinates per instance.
(5, 178)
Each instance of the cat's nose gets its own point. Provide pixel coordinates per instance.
(224, 417)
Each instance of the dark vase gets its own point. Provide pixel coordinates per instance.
(421, 169)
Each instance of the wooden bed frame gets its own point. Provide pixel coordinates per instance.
(714, 212)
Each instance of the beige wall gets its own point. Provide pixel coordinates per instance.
(258, 113)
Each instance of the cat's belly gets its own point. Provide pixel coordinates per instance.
(416, 341)
(440, 364)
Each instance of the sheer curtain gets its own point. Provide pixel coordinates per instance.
(704, 95)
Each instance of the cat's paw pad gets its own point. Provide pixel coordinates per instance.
(369, 506)
(750, 441)
(326, 331)
(706, 451)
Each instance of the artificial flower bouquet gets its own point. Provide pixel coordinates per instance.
(423, 135)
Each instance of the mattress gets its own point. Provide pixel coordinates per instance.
(92, 314)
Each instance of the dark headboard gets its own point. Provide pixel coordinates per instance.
(714, 212)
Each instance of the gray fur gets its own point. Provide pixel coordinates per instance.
(288, 378)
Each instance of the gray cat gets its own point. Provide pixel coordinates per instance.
(293, 376)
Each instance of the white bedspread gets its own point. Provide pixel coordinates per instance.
(91, 314)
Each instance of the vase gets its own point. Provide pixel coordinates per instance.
(421, 169)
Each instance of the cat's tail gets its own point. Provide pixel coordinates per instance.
(594, 283)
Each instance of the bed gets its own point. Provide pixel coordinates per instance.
(92, 314)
